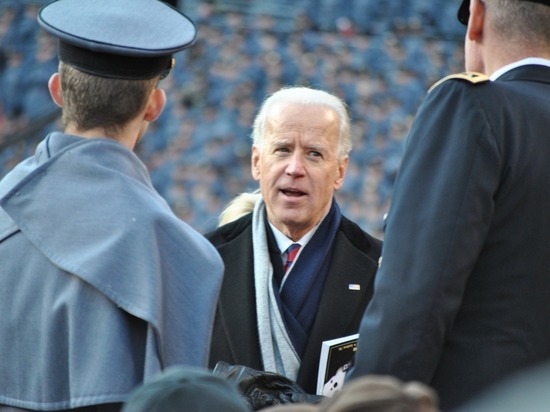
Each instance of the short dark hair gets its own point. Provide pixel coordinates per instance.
(93, 101)
(521, 20)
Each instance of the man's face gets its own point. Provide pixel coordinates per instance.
(298, 166)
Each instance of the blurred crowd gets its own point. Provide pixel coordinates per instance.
(380, 57)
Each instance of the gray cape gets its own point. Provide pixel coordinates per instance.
(103, 286)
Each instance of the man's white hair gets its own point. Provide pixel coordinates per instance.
(310, 97)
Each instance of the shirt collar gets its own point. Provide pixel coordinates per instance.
(283, 242)
(523, 62)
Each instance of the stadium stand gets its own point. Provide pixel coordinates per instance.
(380, 57)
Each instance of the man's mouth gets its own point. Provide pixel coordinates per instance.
(292, 192)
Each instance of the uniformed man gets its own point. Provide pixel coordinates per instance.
(462, 296)
(102, 285)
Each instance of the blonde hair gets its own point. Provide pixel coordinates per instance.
(241, 205)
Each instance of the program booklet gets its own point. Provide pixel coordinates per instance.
(336, 359)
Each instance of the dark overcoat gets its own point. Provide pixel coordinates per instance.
(235, 337)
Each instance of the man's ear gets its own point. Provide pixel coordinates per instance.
(476, 21)
(157, 101)
(254, 164)
(54, 86)
(342, 169)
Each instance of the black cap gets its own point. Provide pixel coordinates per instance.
(126, 39)
(464, 12)
(184, 388)
(464, 9)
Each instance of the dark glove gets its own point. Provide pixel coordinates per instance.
(262, 389)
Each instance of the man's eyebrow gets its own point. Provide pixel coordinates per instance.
(318, 147)
(280, 142)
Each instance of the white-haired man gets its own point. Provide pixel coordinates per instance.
(272, 318)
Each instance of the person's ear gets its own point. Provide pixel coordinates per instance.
(476, 21)
(54, 86)
(342, 168)
(155, 105)
(255, 163)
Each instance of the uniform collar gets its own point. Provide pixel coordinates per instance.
(524, 62)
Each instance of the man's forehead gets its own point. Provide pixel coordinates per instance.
(288, 132)
(301, 116)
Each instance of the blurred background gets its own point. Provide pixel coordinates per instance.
(379, 56)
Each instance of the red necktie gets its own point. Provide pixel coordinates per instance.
(291, 253)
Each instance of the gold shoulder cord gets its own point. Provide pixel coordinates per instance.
(471, 77)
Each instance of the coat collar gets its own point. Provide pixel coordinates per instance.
(531, 72)
(525, 62)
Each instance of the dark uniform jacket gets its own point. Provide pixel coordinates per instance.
(235, 337)
(463, 293)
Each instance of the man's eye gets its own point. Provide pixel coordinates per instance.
(281, 150)
(314, 153)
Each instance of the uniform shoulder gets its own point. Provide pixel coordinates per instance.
(470, 77)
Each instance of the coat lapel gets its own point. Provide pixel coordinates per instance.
(349, 281)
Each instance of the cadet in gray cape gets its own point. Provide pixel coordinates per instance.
(103, 286)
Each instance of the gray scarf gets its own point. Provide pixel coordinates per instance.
(278, 354)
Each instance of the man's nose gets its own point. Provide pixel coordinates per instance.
(295, 165)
